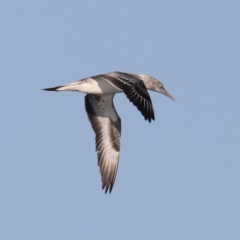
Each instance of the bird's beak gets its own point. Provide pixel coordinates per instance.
(166, 93)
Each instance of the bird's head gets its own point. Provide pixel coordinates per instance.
(153, 84)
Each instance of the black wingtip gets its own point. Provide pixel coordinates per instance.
(52, 89)
(107, 188)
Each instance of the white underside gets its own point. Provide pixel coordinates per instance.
(91, 86)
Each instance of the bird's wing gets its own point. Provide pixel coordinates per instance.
(107, 127)
(134, 89)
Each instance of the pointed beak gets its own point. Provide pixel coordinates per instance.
(166, 93)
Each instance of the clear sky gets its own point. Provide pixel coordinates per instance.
(178, 177)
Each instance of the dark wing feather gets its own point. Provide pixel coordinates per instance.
(107, 127)
(134, 89)
(139, 96)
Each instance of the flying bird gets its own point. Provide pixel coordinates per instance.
(106, 123)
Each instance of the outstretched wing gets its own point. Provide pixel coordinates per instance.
(107, 127)
(134, 89)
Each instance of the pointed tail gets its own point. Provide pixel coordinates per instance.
(60, 88)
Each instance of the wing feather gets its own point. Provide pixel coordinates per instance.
(107, 127)
(134, 89)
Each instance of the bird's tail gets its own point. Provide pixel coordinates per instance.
(60, 88)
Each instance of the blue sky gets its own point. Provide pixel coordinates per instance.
(178, 177)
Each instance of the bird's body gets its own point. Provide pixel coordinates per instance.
(91, 86)
(106, 123)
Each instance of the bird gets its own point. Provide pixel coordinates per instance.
(103, 117)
